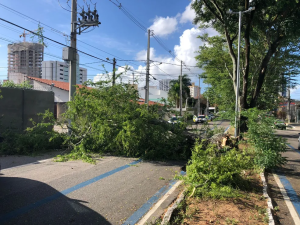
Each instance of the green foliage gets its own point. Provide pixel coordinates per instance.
(268, 54)
(23, 85)
(216, 172)
(109, 119)
(36, 139)
(174, 92)
(267, 145)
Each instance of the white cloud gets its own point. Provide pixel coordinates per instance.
(164, 26)
(188, 15)
(126, 76)
(189, 44)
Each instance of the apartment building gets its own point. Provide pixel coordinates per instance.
(24, 59)
(194, 90)
(59, 71)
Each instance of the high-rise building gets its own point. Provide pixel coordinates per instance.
(24, 59)
(194, 91)
(59, 71)
(164, 85)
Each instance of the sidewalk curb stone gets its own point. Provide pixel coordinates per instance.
(269, 201)
(171, 208)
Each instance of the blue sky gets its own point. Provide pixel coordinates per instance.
(117, 36)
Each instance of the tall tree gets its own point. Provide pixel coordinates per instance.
(174, 91)
(274, 25)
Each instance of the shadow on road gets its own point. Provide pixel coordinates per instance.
(10, 161)
(25, 201)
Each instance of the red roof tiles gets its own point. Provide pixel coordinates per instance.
(58, 84)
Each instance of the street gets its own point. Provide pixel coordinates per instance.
(74, 192)
(289, 176)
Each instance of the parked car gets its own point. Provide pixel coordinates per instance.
(211, 117)
(280, 124)
(174, 120)
(199, 119)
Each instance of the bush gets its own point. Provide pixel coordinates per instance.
(216, 172)
(266, 144)
(34, 140)
(109, 119)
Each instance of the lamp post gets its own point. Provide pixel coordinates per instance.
(238, 69)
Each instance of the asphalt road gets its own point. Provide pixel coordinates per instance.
(291, 171)
(48, 192)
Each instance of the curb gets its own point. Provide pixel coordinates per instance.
(269, 201)
(170, 210)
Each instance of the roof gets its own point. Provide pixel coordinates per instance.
(58, 84)
(65, 86)
(142, 101)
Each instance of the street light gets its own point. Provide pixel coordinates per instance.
(238, 68)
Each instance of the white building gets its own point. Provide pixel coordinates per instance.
(59, 71)
(164, 85)
(155, 95)
(194, 90)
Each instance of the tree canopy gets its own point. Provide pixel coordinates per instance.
(269, 40)
(174, 91)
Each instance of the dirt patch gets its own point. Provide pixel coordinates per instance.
(249, 209)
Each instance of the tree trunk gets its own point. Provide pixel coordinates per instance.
(262, 71)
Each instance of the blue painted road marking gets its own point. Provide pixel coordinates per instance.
(226, 129)
(27, 208)
(289, 188)
(293, 148)
(290, 192)
(137, 215)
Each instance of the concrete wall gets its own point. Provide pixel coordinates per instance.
(17, 106)
(60, 95)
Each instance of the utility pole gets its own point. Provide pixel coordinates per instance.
(207, 107)
(72, 65)
(88, 19)
(132, 77)
(237, 110)
(289, 101)
(180, 103)
(199, 93)
(114, 72)
(147, 72)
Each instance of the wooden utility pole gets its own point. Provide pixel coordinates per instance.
(147, 71)
(180, 103)
(114, 72)
(199, 101)
(72, 66)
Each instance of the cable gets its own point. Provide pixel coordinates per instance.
(102, 60)
(51, 28)
(141, 26)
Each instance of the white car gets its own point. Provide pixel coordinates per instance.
(199, 119)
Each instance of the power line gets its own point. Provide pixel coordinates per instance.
(141, 26)
(102, 60)
(51, 28)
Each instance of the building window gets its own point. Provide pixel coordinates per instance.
(61, 65)
(61, 78)
(61, 70)
(61, 74)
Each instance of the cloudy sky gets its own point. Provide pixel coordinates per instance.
(117, 36)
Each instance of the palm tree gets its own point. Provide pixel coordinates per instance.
(174, 91)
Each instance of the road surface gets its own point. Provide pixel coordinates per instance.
(74, 192)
